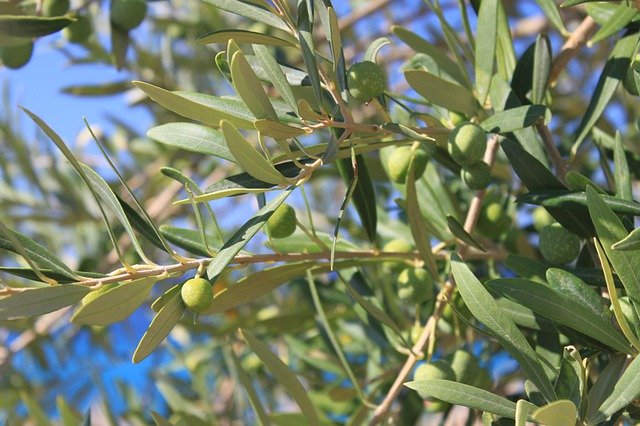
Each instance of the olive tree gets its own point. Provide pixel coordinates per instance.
(368, 226)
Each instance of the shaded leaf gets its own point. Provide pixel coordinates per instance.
(441, 92)
(32, 26)
(243, 36)
(39, 301)
(577, 201)
(485, 47)
(276, 75)
(160, 327)
(516, 118)
(620, 18)
(624, 391)
(248, 86)
(115, 304)
(460, 233)
(250, 11)
(364, 195)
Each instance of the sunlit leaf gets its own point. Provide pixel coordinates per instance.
(39, 301)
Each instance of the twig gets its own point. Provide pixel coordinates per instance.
(441, 300)
(571, 47)
(556, 158)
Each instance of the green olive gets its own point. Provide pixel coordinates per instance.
(17, 56)
(128, 14)
(400, 159)
(467, 143)
(476, 175)
(465, 366)
(457, 117)
(282, 222)
(558, 245)
(79, 31)
(197, 294)
(55, 7)
(366, 80)
(494, 220)
(541, 218)
(415, 285)
(436, 370)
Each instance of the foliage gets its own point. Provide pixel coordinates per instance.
(399, 218)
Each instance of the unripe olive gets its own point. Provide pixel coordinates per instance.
(282, 222)
(128, 14)
(436, 370)
(366, 80)
(398, 245)
(494, 220)
(541, 218)
(467, 143)
(55, 7)
(400, 159)
(483, 380)
(631, 81)
(558, 245)
(465, 366)
(15, 57)
(197, 294)
(476, 175)
(79, 31)
(415, 285)
(457, 117)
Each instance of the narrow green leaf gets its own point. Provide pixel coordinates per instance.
(364, 195)
(141, 225)
(465, 395)
(248, 157)
(619, 20)
(277, 130)
(577, 201)
(103, 89)
(108, 197)
(516, 118)
(284, 376)
(613, 72)
(561, 309)
(29, 274)
(32, 26)
(189, 239)
(550, 9)
(39, 301)
(541, 68)
(37, 253)
(485, 47)
(250, 11)
(579, 182)
(165, 297)
(575, 289)
(630, 242)
(536, 176)
(276, 76)
(159, 420)
(305, 31)
(248, 86)
(570, 384)
(526, 267)
(242, 236)
(486, 310)
(621, 171)
(523, 410)
(604, 385)
(374, 47)
(160, 327)
(36, 413)
(624, 391)
(120, 43)
(460, 233)
(68, 416)
(417, 223)
(203, 108)
(611, 230)
(115, 304)
(421, 45)
(192, 137)
(556, 413)
(243, 36)
(441, 92)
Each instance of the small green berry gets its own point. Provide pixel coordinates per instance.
(415, 285)
(282, 222)
(366, 80)
(128, 14)
(457, 117)
(465, 366)
(558, 245)
(541, 218)
(436, 370)
(467, 143)
(79, 31)
(494, 220)
(55, 7)
(400, 159)
(476, 175)
(631, 81)
(197, 294)
(17, 56)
